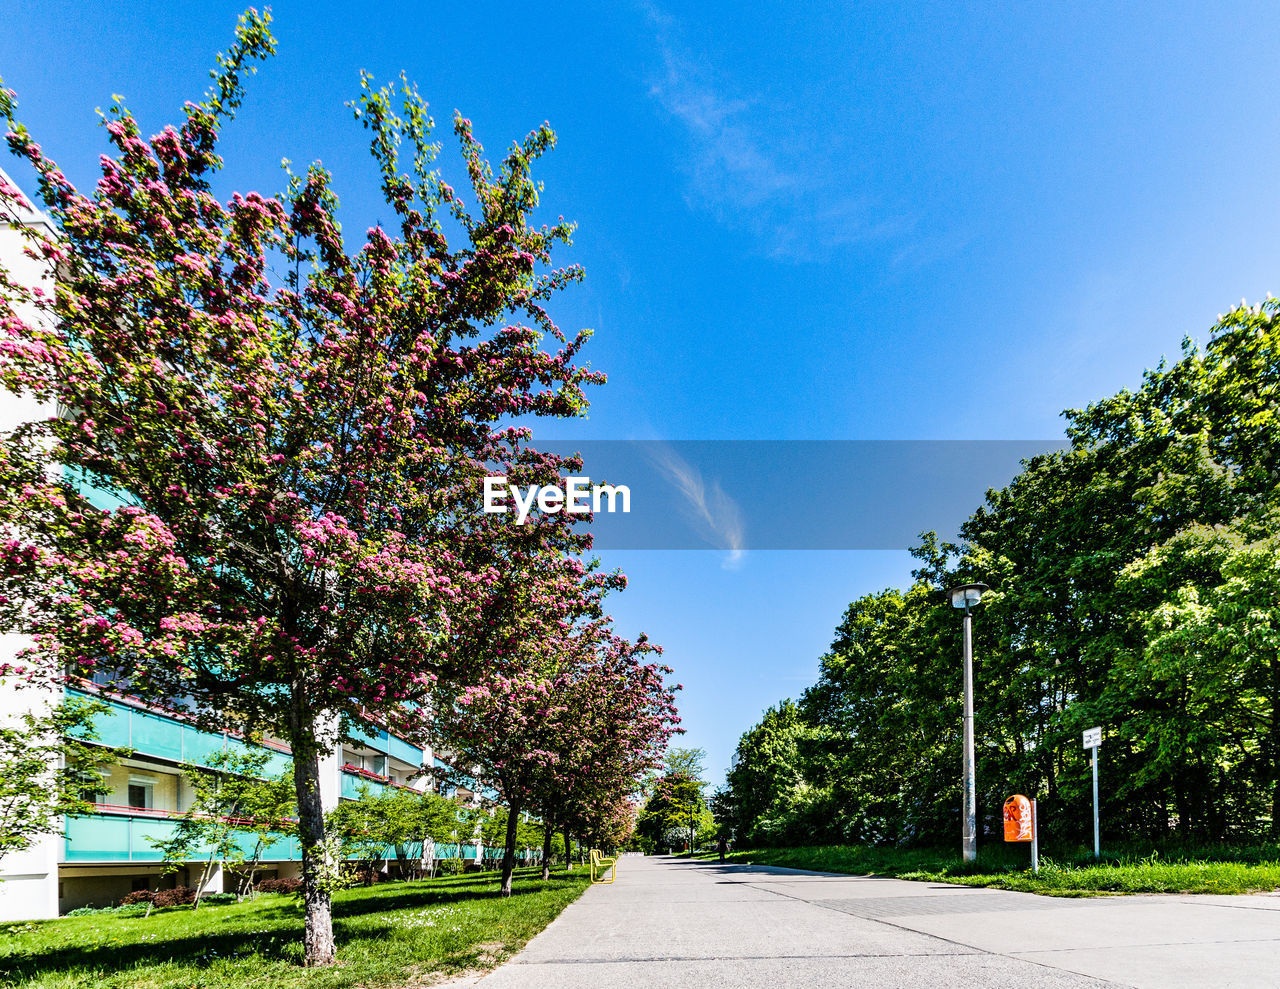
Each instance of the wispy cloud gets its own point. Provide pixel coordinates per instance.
(751, 168)
(714, 512)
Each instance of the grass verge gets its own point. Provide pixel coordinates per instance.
(390, 934)
(1186, 870)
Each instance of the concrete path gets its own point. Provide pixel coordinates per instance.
(673, 923)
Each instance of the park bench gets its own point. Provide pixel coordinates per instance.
(600, 865)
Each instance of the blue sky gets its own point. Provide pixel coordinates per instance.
(819, 221)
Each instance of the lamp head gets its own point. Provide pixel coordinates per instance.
(966, 595)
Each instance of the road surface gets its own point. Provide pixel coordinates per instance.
(673, 923)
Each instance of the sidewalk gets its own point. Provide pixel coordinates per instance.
(670, 922)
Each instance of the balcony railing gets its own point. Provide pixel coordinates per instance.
(126, 834)
(383, 741)
(147, 731)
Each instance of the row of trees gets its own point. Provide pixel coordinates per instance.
(237, 815)
(292, 436)
(1136, 585)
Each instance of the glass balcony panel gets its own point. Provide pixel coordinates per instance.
(122, 838)
(157, 736)
(168, 738)
(401, 749)
(198, 746)
(375, 740)
(352, 783)
(112, 725)
(96, 838)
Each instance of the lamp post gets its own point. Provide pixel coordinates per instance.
(966, 596)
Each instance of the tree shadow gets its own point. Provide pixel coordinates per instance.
(283, 943)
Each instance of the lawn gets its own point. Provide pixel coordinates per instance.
(1074, 873)
(389, 934)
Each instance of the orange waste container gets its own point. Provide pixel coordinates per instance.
(1017, 818)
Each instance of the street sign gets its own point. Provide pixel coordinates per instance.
(1092, 739)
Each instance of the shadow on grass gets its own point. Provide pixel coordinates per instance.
(238, 933)
(404, 896)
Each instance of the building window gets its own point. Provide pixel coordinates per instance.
(141, 795)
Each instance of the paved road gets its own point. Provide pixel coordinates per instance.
(673, 923)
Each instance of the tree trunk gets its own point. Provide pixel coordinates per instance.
(546, 850)
(568, 860)
(509, 851)
(246, 882)
(317, 936)
(205, 875)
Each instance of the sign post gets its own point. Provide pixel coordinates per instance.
(1035, 839)
(1093, 739)
(1020, 825)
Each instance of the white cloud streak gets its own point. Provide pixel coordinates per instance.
(751, 169)
(716, 514)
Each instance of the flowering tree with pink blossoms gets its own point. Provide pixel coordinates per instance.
(260, 498)
(566, 724)
(618, 717)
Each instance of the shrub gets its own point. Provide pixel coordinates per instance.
(278, 886)
(215, 898)
(177, 897)
(123, 910)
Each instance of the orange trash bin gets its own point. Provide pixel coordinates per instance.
(1017, 819)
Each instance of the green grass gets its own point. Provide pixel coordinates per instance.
(1072, 873)
(390, 934)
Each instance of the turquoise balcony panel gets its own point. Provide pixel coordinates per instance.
(124, 838)
(375, 740)
(401, 749)
(112, 725)
(200, 747)
(98, 838)
(352, 783)
(99, 497)
(154, 735)
(384, 741)
(168, 738)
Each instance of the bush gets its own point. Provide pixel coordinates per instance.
(216, 898)
(278, 886)
(367, 874)
(177, 897)
(123, 910)
(450, 867)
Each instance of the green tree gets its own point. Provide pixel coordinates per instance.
(231, 801)
(766, 762)
(676, 810)
(1133, 586)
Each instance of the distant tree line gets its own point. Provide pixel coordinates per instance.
(1135, 585)
(676, 814)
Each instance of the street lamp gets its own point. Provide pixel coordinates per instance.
(966, 596)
